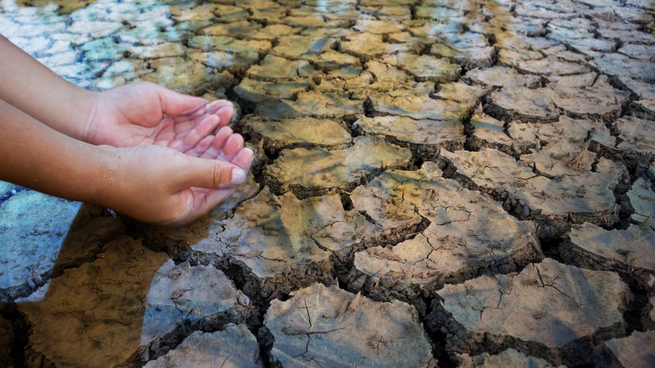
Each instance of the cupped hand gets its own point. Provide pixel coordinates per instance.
(143, 113)
(160, 185)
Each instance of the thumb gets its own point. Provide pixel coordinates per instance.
(211, 174)
(173, 103)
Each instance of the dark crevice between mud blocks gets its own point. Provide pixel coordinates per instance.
(637, 279)
(641, 112)
(346, 201)
(247, 107)
(20, 329)
(551, 247)
(401, 287)
(248, 283)
(578, 353)
(638, 308)
(162, 345)
(26, 289)
(353, 129)
(369, 108)
(473, 143)
(266, 340)
(437, 337)
(355, 281)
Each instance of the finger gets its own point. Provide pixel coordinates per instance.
(209, 174)
(185, 123)
(173, 103)
(224, 110)
(244, 158)
(201, 147)
(219, 142)
(231, 148)
(225, 114)
(205, 203)
(201, 131)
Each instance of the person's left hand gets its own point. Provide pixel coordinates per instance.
(144, 113)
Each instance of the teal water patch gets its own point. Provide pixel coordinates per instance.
(33, 227)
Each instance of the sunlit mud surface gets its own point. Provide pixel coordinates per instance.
(437, 184)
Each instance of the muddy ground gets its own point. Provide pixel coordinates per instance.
(437, 184)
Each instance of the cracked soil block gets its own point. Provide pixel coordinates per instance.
(318, 170)
(284, 242)
(549, 310)
(587, 196)
(301, 132)
(468, 233)
(233, 347)
(334, 328)
(629, 252)
(181, 293)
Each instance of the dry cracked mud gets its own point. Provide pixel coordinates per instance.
(468, 234)
(484, 313)
(438, 184)
(331, 327)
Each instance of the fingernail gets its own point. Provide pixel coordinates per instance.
(238, 174)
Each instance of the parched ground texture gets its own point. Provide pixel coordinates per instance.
(438, 183)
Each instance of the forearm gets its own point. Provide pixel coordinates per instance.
(36, 90)
(37, 157)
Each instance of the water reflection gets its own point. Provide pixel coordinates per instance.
(33, 227)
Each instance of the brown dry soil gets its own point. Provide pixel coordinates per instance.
(438, 183)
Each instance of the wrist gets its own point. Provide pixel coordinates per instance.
(105, 182)
(84, 110)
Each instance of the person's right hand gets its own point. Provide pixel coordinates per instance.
(162, 185)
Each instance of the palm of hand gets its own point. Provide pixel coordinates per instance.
(146, 114)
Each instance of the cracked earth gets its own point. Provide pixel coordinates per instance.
(437, 184)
